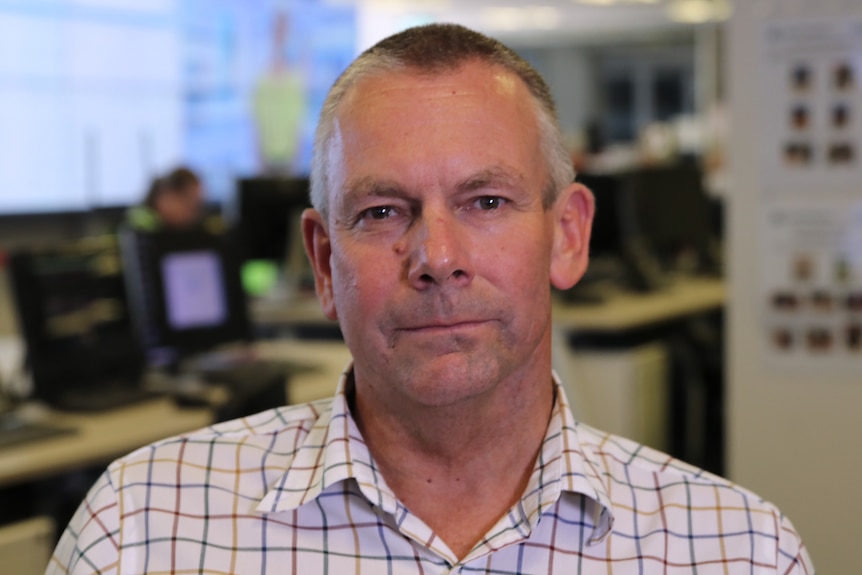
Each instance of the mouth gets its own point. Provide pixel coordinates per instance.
(444, 326)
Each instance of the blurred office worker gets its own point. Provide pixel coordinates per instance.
(280, 105)
(173, 201)
(444, 211)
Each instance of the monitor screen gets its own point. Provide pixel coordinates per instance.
(608, 230)
(267, 213)
(185, 292)
(73, 314)
(194, 290)
(99, 96)
(672, 213)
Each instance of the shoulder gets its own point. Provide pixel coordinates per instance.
(272, 421)
(690, 502)
(637, 476)
(623, 463)
(142, 218)
(267, 439)
(615, 454)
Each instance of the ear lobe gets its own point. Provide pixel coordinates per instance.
(316, 239)
(573, 221)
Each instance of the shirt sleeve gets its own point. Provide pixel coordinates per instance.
(89, 545)
(793, 557)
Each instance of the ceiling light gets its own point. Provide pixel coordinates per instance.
(698, 11)
(544, 17)
(596, 2)
(406, 6)
(525, 18)
(611, 2)
(502, 18)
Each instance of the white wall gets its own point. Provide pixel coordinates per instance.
(794, 438)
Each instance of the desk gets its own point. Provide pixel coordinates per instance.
(631, 367)
(329, 359)
(289, 314)
(104, 436)
(100, 438)
(626, 311)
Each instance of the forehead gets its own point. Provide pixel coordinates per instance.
(475, 116)
(408, 87)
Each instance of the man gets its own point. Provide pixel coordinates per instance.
(174, 201)
(279, 104)
(444, 211)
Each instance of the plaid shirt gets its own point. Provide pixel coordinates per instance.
(295, 490)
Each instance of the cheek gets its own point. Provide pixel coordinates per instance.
(359, 282)
(530, 285)
(521, 259)
(342, 284)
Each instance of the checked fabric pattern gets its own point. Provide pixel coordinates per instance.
(295, 490)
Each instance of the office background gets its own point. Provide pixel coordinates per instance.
(98, 95)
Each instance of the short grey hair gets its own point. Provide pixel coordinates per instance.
(435, 49)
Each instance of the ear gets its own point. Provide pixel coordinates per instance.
(315, 236)
(573, 222)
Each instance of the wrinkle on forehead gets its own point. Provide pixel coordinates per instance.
(379, 95)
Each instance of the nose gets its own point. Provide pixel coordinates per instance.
(439, 253)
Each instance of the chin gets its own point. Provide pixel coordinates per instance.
(450, 380)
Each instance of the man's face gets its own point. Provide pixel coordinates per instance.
(437, 254)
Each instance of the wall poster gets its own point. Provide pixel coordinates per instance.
(811, 219)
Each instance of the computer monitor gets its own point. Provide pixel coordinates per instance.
(184, 291)
(609, 230)
(674, 216)
(617, 255)
(267, 215)
(267, 212)
(73, 314)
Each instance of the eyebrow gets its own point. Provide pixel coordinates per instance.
(368, 186)
(495, 176)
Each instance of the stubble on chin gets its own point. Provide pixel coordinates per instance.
(443, 374)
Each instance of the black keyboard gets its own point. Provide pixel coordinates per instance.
(15, 431)
(100, 398)
(242, 373)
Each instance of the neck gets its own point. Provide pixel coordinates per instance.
(513, 412)
(459, 467)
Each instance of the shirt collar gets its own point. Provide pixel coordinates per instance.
(579, 467)
(334, 451)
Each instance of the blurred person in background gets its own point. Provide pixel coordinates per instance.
(174, 201)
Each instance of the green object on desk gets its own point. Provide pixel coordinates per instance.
(259, 277)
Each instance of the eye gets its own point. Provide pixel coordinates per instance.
(488, 203)
(378, 213)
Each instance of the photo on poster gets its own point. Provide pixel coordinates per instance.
(812, 281)
(800, 77)
(853, 337)
(840, 116)
(800, 118)
(842, 153)
(809, 94)
(843, 76)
